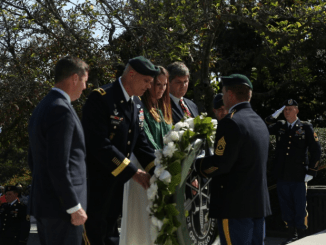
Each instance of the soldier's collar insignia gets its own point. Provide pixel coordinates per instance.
(232, 113)
(115, 112)
(290, 102)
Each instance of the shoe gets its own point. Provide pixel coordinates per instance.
(292, 236)
(301, 233)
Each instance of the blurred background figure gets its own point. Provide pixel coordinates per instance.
(2, 189)
(218, 107)
(14, 221)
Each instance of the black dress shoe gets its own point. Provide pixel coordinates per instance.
(292, 236)
(301, 233)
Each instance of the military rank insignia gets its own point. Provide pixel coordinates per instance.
(315, 136)
(210, 170)
(219, 151)
(290, 102)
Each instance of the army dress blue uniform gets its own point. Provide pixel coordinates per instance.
(291, 166)
(15, 225)
(113, 131)
(239, 194)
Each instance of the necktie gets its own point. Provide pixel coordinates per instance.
(184, 108)
(131, 106)
(290, 127)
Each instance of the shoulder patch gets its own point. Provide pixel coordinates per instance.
(100, 90)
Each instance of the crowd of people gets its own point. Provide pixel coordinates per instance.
(122, 125)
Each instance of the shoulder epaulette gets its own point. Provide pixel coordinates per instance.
(282, 121)
(306, 122)
(100, 90)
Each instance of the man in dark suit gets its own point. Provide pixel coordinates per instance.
(239, 194)
(57, 158)
(179, 80)
(113, 120)
(293, 169)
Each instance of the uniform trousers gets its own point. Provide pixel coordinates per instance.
(293, 203)
(245, 231)
(53, 231)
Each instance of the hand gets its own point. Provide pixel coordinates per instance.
(142, 178)
(79, 217)
(278, 112)
(195, 184)
(308, 178)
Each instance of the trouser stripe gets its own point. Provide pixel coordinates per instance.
(226, 231)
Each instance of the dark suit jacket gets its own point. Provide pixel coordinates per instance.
(238, 167)
(292, 146)
(56, 158)
(112, 134)
(177, 114)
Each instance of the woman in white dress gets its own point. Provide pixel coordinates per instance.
(136, 223)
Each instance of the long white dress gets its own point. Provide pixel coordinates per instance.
(135, 224)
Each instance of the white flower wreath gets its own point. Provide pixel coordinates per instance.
(167, 175)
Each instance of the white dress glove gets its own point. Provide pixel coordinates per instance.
(308, 178)
(278, 112)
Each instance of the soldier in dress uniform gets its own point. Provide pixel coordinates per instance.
(239, 194)
(179, 80)
(15, 225)
(219, 108)
(113, 120)
(293, 169)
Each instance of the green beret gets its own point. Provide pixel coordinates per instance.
(11, 188)
(143, 66)
(236, 79)
(218, 101)
(290, 102)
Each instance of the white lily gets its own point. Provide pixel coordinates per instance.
(165, 177)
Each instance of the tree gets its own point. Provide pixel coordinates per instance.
(277, 44)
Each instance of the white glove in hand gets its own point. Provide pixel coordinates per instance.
(308, 178)
(278, 112)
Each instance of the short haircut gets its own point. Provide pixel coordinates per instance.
(68, 66)
(241, 91)
(177, 69)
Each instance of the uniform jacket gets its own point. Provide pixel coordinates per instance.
(291, 156)
(14, 222)
(178, 114)
(238, 166)
(112, 133)
(56, 158)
